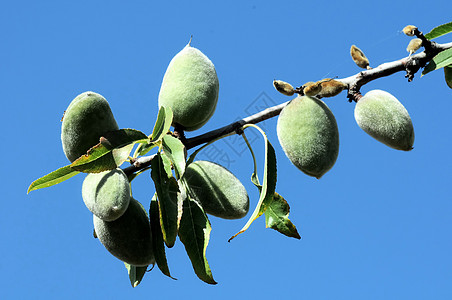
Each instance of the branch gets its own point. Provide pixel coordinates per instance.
(235, 126)
(411, 64)
(144, 162)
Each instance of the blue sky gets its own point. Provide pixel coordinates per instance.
(376, 226)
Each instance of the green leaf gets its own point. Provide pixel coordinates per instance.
(170, 200)
(439, 31)
(158, 243)
(53, 178)
(441, 60)
(277, 217)
(144, 148)
(113, 149)
(194, 233)
(161, 128)
(174, 149)
(167, 165)
(274, 206)
(448, 75)
(132, 176)
(267, 189)
(136, 273)
(163, 123)
(271, 182)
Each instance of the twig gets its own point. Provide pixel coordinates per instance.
(410, 64)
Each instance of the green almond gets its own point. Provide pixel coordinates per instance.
(86, 119)
(219, 192)
(384, 118)
(106, 194)
(129, 237)
(190, 88)
(308, 133)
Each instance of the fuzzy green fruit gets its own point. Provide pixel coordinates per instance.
(129, 237)
(218, 191)
(308, 134)
(106, 194)
(86, 119)
(384, 118)
(190, 88)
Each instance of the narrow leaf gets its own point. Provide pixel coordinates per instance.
(271, 182)
(107, 160)
(161, 128)
(158, 243)
(170, 202)
(194, 233)
(441, 60)
(113, 149)
(277, 217)
(132, 176)
(136, 274)
(268, 187)
(163, 123)
(448, 75)
(144, 148)
(174, 149)
(167, 165)
(53, 178)
(439, 31)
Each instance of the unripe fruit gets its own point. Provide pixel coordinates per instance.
(308, 133)
(283, 87)
(218, 191)
(359, 58)
(384, 118)
(129, 237)
(409, 30)
(106, 194)
(448, 75)
(86, 119)
(190, 88)
(414, 45)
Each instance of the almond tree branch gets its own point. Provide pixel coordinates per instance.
(410, 64)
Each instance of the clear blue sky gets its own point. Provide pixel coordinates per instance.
(377, 226)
